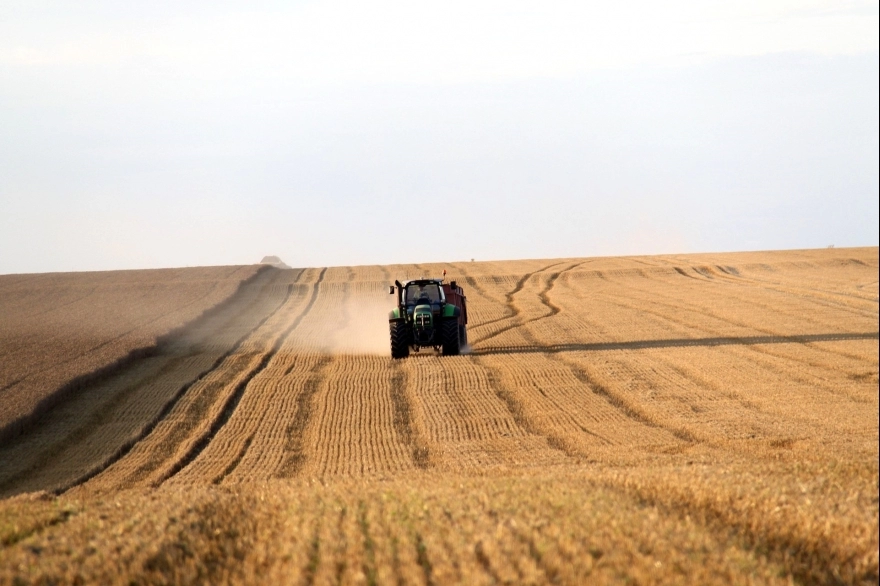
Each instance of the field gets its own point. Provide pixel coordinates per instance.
(666, 419)
(59, 329)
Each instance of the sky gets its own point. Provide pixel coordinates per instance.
(186, 133)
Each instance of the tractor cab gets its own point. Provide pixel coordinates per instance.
(422, 293)
(423, 301)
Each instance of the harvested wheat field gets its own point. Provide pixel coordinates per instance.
(694, 419)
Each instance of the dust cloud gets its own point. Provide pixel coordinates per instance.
(359, 324)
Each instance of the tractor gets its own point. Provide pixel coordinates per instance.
(429, 313)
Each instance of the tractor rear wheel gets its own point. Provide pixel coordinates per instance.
(451, 339)
(399, 340)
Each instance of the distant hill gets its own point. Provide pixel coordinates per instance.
(274, 261)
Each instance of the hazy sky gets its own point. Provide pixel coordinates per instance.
(154, 134)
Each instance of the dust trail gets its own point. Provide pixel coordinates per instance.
(365, 327)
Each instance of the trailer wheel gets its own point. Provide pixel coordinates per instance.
(399, 340)
(451, 339)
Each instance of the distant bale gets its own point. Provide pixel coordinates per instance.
(274, 261)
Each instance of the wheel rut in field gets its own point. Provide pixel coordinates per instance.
(628, 408)
(513, 310)
(235, 462)
(821, 297)
(464, 423)
(740, 282)
(520, 412)
(84, 435)
(683, 273)
(173, 435)
(166, 409)
(692, 316)
(73, 389)
(234, 399)
(770, 351)
(677, 343)
(618, 402)
(295, 447)
(403, 418)
(133, 355)
(544, 295)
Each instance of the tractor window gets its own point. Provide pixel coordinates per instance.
(428, 293)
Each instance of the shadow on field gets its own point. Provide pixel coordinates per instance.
(678, 343)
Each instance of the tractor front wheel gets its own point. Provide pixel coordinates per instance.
(451, 338)
(399, 340)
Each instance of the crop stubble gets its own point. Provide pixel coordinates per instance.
(698, 418)
(62, 331)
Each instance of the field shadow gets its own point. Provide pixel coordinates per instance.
(678, 343)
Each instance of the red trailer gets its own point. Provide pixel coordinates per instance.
(455, 296)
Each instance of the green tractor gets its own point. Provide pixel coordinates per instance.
(429, 313)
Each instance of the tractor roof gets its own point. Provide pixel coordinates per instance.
(423, 282)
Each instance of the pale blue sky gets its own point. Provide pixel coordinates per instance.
(336, 133)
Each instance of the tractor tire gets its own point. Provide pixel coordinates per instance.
(451, 338)
(399, 340)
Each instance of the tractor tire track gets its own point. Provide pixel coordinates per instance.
(617, 401)
(718, 393)
(295, 447)
(404, 423)
(758, 352)
(680, 307)
(480, 299)
(733, 275)
(159, 447)
(543, 297)
(467, 426)
(73, 389)
(235, 398)
(230, 405)
(521, 413)
(137, 353)
(74, 433)
(290, 392)
(514, 310)
(523, 410)
(234, 464)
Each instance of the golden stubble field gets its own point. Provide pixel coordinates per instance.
(59, 330)
(667, 419)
